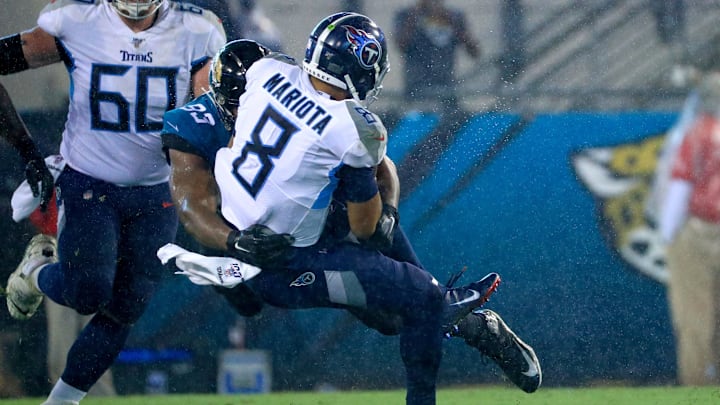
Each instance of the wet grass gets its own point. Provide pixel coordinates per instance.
(461, 396)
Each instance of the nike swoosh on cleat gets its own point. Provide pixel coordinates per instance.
(24, 313)
(532, 370)
(474, 297)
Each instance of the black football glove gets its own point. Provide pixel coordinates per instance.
(41, 181)
(389, 220)
(259, 246)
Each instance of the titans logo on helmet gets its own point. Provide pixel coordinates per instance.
(366, 48)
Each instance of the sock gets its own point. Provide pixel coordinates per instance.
(65, 392)
(34, 277)
(49, 279)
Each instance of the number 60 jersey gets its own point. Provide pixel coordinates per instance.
(290, 142)
(122, 82)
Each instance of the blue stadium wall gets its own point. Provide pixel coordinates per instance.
(548, 201)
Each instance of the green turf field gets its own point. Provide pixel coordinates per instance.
(466, 396)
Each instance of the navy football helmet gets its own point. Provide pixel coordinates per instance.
(348, 50)
(227, 75)
(136, 10)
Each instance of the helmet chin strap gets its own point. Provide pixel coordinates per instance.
(351, 88)
(371, 95)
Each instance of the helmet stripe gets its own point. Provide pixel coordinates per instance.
(321, 38)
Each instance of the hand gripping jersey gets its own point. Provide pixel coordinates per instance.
(290, 141)
(122, 82)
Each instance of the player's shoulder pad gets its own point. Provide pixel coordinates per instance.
(172, 120)
(178, 131)
(181, 121)
(370, 129)
(281, 57)
(270, 59)
(197, 18)
(60, 4)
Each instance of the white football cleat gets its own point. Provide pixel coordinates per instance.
(22, 295)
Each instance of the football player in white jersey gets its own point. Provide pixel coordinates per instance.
(300, 135)
(129, 61)
(193, 133)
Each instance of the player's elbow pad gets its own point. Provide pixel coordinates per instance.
(12, 58)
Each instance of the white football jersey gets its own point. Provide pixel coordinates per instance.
(122, 82)
(290, 140)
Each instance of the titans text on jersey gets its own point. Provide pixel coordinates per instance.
(135, 57)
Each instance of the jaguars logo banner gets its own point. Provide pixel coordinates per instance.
(620, 178)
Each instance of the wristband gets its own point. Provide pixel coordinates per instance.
(12, 58)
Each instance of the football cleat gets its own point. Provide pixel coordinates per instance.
(461, 301)
(22, 295)
(484, 330)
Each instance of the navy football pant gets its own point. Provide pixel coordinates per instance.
(349, 276)
(247, 303)
(401, 249)
(108, 239)
(384, 322)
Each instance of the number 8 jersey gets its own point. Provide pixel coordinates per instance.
(122, 82)
(290, 141)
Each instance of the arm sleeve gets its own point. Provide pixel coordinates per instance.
(356, 184)
(173, 141)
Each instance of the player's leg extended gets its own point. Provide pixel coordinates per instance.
(83, 277)
(87, 245)
(148, 223)
(146, 226)
(405, 295)
(348, 275)
(401, 249)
